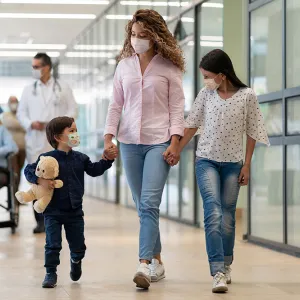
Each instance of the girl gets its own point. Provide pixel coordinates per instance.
(222, 112)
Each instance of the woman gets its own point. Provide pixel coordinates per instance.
(10, 121)
(148, 89)
(222, 112)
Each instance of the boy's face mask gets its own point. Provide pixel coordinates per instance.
(73, 139)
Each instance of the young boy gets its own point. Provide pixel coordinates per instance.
(65, 208)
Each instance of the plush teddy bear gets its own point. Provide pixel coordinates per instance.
(47, 168)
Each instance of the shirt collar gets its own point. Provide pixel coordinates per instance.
(63, 153)
(48, 83)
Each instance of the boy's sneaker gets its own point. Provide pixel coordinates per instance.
(157, 270)
(228, 274)
(219, 283)
(76, 271)
(142, 278)
(50, 281)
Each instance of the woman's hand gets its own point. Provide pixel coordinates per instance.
(111, 153)
(244, 175)
(110, 149)
(172, 154)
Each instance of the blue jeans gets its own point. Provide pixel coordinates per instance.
(74, 228)
(219, 188)
(146, 173)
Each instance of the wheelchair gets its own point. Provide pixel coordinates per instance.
(12, 206)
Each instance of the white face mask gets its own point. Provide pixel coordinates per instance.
(140, 46)
(211, 84)
(36, 74)
(73, 140)
(13, 107)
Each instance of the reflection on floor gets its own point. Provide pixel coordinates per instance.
(111, 238)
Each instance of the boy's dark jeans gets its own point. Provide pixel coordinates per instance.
(74, 228)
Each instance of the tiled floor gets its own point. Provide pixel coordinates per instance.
(112, 238)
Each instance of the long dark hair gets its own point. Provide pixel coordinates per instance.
(217, 61)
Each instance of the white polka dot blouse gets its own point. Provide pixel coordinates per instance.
(222, 124)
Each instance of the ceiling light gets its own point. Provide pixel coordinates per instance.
(123, 17)
(89, 54)
(64, 2)
(118, 17)
(46, 16)
(207, 44)
(211, 38)
(25, 54)
(154, 3)
(97, 47)
(187, 20)
(34, 46)
(213, 5)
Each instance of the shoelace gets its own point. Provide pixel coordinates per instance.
(218, 277)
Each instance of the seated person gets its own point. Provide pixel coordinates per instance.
(7, 145)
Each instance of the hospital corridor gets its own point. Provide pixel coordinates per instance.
(112, 240)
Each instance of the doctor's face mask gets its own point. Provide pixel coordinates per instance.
(39, 69)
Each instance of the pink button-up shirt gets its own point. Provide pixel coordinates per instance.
(152, 104)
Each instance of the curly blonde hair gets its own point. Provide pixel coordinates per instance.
(156, 28)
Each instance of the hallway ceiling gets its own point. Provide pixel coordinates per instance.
(62, 24)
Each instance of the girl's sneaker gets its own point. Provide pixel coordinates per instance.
(228, 274)
(219, 283)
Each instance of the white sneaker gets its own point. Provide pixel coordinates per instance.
(157, 271)
(142, 278)
(228, 274)
(219, 283)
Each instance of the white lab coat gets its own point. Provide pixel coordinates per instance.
(43, 105)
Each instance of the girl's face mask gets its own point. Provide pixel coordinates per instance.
(211, 84)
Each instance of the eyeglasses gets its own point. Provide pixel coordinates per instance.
(37, 67)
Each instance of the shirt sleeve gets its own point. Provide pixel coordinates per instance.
(23, 113)
(255, 126)
(196, 116)
(97, 168)
(9, 145)
(115, 105)
(176, 103)
(29, 172)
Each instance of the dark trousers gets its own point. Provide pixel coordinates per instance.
(74, 228)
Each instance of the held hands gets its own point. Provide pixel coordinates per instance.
(110, 151)
(172, 155)
(244, 175)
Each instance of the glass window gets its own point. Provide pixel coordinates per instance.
(172, 185)
(188, 47)
(293, 115)
(292, 44)
(293, 194)
(272, 112)
(210, 19)
(187, 175)
(266, 193)
(266, 48)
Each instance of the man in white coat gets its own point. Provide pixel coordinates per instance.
(41, 101)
